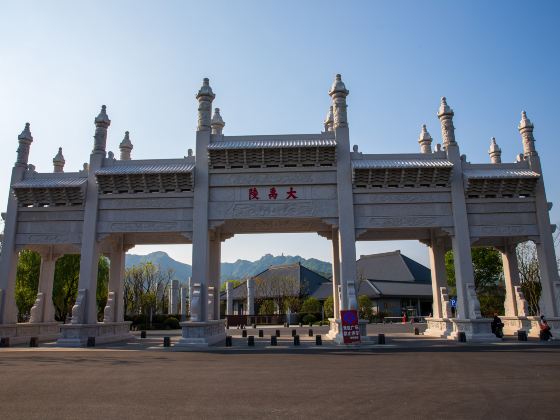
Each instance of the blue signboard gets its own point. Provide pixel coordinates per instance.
(453, 302)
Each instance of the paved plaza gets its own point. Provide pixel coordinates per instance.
(406, 378)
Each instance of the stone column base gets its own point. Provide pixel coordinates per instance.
(335, 331)
(439, 327)
(474, 329)
(76, 335)
(201, 334)
(512, 324)
(21, 333)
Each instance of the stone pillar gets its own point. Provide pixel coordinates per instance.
(89, 255)
(467, 303)
(183, 303)
(439, 275)
(250, 296)
(9, 255)
(346, 232)
(550, 297)
(173, 298)
(229, 297)
(200, 245)
(336, 273)
(214, 278)
(511, 278)
(114, 311)
(45, 313)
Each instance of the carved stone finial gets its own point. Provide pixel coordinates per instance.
(445, 115)
(102, 122)
(25, 139)
(217, 122)
(126, 146)
(58, 161)
(205, 97)
(189, 153)
(329, 120)
(526, 130)
(355, 148)
(495, 152)
(425, 140)
(438, 148)
(338, 93)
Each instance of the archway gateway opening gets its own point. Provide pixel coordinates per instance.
(278, 183)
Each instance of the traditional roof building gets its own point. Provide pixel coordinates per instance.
(276, 183)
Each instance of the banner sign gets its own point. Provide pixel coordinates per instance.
(350, 326)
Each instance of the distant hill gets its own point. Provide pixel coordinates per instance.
(230, 271)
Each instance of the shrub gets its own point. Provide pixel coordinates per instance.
(171, 323)
(309, 319)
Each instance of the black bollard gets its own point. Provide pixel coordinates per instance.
(294, 332)
(261, 333)
(522, 335)
(229, 341)
(296, 340)
(416, 331)
(277, 333)
(273, 340)
(90, 342)
(251, 341)
(143, 334)
(5, 342)
(380, 338)
(310, 332)
(34, 342)
(244, 333)
(461, 337)
(166, 341)
(318, 340)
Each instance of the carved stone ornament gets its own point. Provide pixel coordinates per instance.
(445, 304)
(78, 310)
(37, 309)
(474, 304)
(522, 305)
(109, 311)
(195, 302)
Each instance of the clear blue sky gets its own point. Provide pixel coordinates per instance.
(270, 65)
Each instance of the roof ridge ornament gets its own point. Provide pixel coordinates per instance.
(338, 93)
(425, 140)
(102, 122)
(445, 115)
(495, 152)
(126, 146)
(205, 96)
(25, 139)
(526, 130)
(59, 161)
(217, 123)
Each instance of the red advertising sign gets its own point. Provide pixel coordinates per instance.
(350, 326)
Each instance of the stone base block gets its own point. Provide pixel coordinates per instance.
(474, 329)
(21, 333)
(438, 327)
(76, 335)
(512, 324)
(335, 331)
(201, 334)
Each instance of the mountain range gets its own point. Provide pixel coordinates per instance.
(229, 271)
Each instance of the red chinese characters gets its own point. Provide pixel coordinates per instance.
(291, 194)
(273, 194)
(253, 194)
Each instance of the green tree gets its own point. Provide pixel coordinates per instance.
(65, 287)
(311, 306)
(27, 282)
(267, 307)
(365, 307)
(488, 279)
(328, 307)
